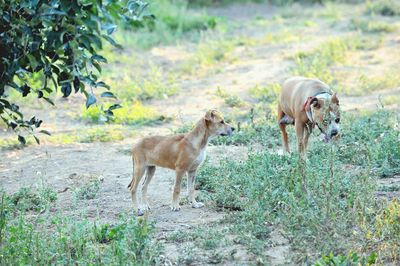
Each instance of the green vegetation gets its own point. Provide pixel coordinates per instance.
(157, 84)
(129, 114)
(25, 199)
(93, 134)
(230, 99)
(48, 39)
(173, 21)
(70, 240)
(366, 84)
(89, 190)
(390, 100)
(373, 26)
(323, 205)
(334, 208)
(316, 63)
(383, 7)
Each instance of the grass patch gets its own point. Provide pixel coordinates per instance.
(323, 205)
(282, 37)
(210, 52)
(26, 199)
(383, 7)
(49, 239)
(315, 64)
(267, 94)
(391, 100)
(368, 84)
(319, 62)
(230, 99)
(157, 85)
(371, 26)
(129, 114)
(94, 134)
(174, 20)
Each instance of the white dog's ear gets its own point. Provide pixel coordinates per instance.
(210, 115)
(335, 99)
(312, 101)
(315, 103)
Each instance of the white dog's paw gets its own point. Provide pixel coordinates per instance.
(197, 205)
(141, 212)
(175, 207)
(146, 207)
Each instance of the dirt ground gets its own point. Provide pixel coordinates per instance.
(67, 167)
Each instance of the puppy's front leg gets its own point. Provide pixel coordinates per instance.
(177, 189)
(190, 189)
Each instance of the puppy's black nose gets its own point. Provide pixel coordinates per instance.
(334, 132)
(233, 129)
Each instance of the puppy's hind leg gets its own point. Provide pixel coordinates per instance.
(150, 170)
(138, 171)
(282, 127)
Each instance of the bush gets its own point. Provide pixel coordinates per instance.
(72, 241)
(59, 41)
(25, 199)
(384, 8)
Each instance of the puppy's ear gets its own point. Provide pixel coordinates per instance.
(210, 115)
(335, 99)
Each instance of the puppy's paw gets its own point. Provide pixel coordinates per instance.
(197, 205)
(175, 207)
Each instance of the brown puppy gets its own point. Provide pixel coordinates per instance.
(182, 153)
(307, 103)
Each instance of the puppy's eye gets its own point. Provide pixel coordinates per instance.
(325, 122)
(337, 120)
(222, 122)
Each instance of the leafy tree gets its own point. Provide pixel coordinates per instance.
(57, 40)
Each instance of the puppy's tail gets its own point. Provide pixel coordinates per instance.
(133, 171)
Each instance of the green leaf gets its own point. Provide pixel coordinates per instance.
(66, 89)
(90, 100)
(102, 84)
(21, 140)
(109, 28)
(107, 94)
(45, 132)
(37, 140)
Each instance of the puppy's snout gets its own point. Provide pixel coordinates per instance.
(334, 132)
(233, 129)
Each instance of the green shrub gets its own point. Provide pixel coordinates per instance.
(268, 94)
(384, 7)
(230, 99)
(76, 241)
(372, 26)
(89, 190)
(25, 199)
(315, 64)
(351, 259)
(320, 202)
